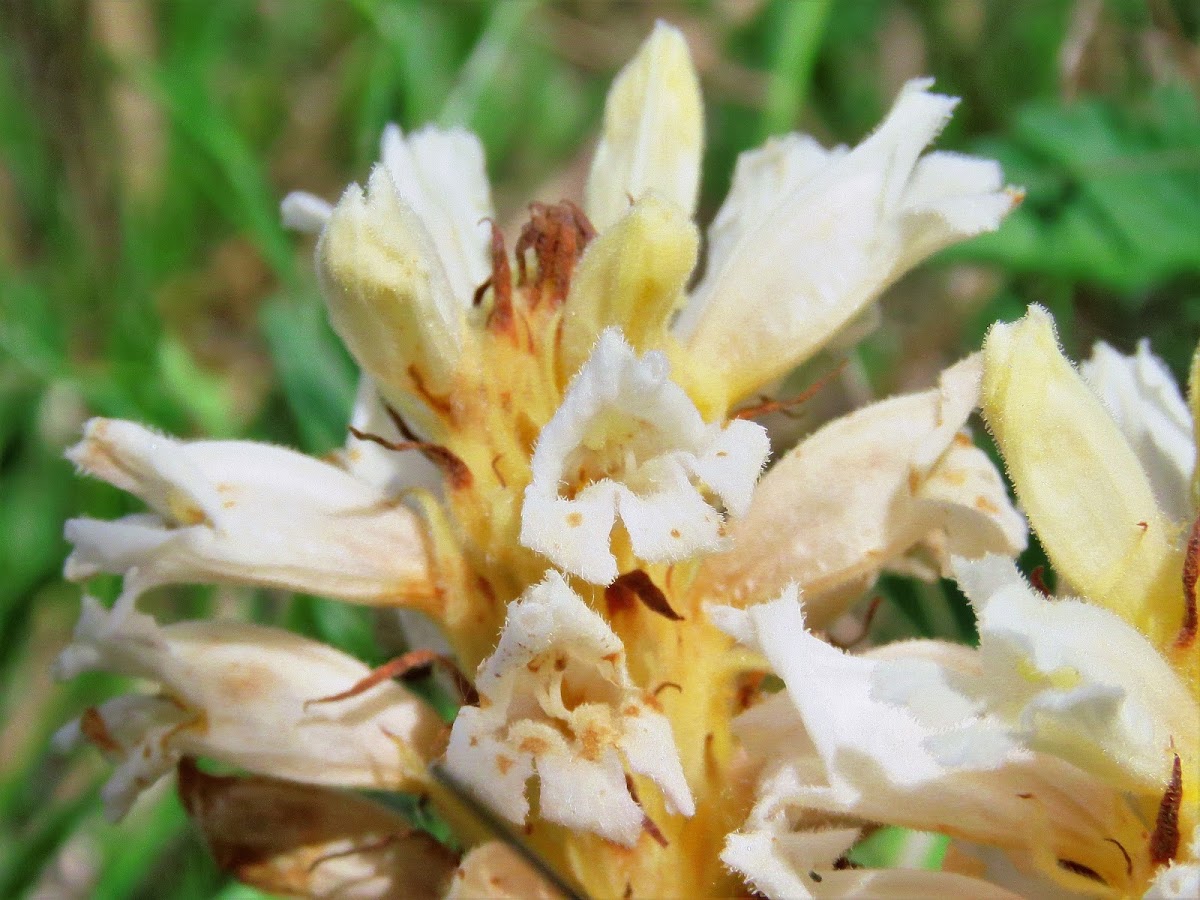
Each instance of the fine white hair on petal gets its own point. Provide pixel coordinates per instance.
(1141, 395)
(653, 131)
(808, 238)
(554, 647)
(441, 173)
(242, 694)
(863, 491)
(1076, 680)
(305, 212)
(628, 443)
(242, 512)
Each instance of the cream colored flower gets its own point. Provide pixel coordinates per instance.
(863, 491)
(565, 404)
(1070, 739)
(627, 442)
(244, 694)
(809, 237)
(556, 697)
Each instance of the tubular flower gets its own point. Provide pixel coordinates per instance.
(545, 461)
(1069, 741)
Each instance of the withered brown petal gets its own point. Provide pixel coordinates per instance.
(288, 838)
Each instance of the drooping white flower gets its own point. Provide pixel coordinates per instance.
(246, 513)
(809, 237)
(860, 493)
(244, 694)
(627, 442)
(868, 756)
(556, 698)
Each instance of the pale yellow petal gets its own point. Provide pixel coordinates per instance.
(1078, 480)
(653, 131)
(632, 276)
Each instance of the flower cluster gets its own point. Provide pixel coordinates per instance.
(552, 461)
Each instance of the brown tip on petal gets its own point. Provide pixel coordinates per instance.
(1191, 570)
(1080, 869)
(619, 595)
(1164, 842)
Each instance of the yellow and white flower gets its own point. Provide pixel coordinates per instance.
(569, 406)
(1070, 739)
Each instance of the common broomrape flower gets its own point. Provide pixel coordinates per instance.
(547, 460)
(1064, 753)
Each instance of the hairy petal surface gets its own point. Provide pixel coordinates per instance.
(556, 698)
(389, 296)
(1093, 507)
(861, 492)
(246, 513)
(628, 443)
(442, 175)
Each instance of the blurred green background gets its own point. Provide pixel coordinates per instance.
(144, 148)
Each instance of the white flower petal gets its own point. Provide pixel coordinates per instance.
(861, 492)
(242, 694)
(1076, 680)
(780, 864)
(554, 647)
(243, 512)
(653, 131)
(627, 442)
(305, 212)
(1140, 393)
(808, 238)
(876, 761)
(442, 175)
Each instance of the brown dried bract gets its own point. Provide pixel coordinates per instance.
(782, 406)
(637, 584)
(1191, 571)
(557, 234)
(1164, 842)
(500, 319)
(413, 664)
(304, 840)
(454, 470)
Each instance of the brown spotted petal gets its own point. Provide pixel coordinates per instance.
(863, 491)
(301, 840)
(556, 697)
(241, 694)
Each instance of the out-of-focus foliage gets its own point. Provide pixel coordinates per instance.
(143, 272)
